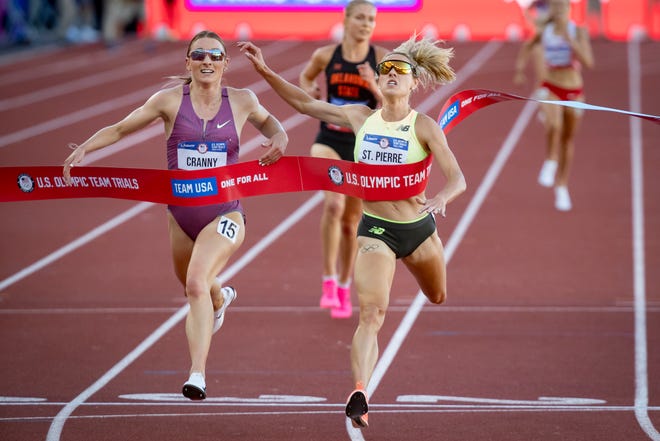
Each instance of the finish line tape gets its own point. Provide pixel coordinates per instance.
(216, 185)
(462, 104)
(245, 179)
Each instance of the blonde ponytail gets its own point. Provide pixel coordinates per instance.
(431, 61)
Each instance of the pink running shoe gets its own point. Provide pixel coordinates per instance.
(329, 298)
(345, 310)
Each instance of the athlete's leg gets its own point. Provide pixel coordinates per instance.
(552, 123)
(571, 122)
(348, 244)
(214, 245)
(333, 208)
(374, 270)
(539, 67)
(571, 119)
(427, 265)
(330, 226)
(181, 246)
(347, 249)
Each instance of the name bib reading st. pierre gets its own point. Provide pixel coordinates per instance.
(387, 150)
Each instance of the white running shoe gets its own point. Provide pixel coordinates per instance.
(229, 295)
(562, 199)
(547, 174)
(195, 387)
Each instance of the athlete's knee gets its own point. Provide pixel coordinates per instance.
(372, 316)
(552, 126)
(437, 297)
(334, 207)
(349, 226)
(196, 288)
(566, 139)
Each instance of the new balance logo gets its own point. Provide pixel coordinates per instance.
(404, 128)
(377, 230)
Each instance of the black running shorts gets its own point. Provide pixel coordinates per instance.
(402, 238)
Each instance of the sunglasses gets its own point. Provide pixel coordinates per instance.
(214, 54)
(401, 67)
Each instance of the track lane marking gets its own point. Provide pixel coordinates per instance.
(638, 244)
(325, 409)
(304, 308)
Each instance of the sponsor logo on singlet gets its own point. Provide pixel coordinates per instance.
(196, 155)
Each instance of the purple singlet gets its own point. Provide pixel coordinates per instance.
(194, 146)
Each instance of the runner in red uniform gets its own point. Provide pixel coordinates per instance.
(566, 47)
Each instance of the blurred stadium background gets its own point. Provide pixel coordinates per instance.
(31, 22)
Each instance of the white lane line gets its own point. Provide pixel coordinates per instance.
(639, 263)
(71, 246)
(452, 244)
(57, 425)
(287, 309)
(322, 409)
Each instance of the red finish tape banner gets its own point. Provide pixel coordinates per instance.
(289, 174)
(462, 104)
(215, 185)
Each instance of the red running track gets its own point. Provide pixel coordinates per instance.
(551, 330)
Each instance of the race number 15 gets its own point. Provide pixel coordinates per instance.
(228, 228)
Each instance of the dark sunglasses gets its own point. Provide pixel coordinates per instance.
(214, 54)
(401, 67)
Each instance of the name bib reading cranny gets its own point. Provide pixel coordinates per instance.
(193, 155)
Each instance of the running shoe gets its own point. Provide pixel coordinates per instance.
(345, 309)
(329, 298)
(562, 199)
(195, 387)
(229, 295)
(547, 174)
(357, 408)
